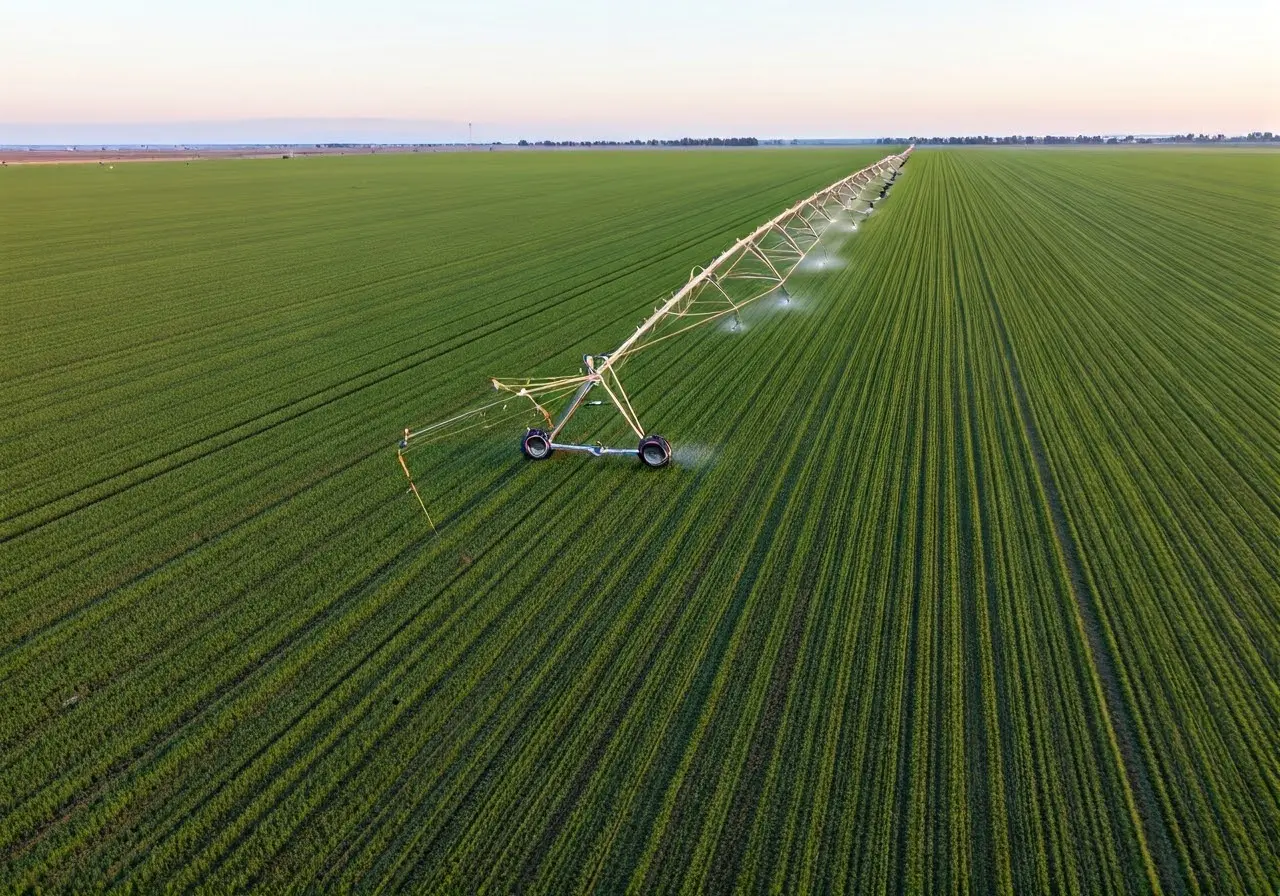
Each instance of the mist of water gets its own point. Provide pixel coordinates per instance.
(841, 228)
(693, 456)
(818, 261)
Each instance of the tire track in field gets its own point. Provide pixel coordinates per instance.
(1156, 840)
(994, 751)
(906, 775)
(745, 807)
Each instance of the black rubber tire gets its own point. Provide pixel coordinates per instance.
(654, 451)
(536, 445)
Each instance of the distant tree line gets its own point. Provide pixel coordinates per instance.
(683, 141)
(1253, 137)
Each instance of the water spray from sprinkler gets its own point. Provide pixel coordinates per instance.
(751, 269)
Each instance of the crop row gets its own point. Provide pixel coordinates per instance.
(1136, 325)
(963, 580)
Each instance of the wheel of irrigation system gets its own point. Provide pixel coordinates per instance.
(536, 445)
(654, 451)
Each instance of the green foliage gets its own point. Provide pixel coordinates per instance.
(965, 578)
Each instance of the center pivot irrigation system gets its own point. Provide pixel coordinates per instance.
(754, 267)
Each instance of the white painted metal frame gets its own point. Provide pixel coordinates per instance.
(843, 194)
(769, 254)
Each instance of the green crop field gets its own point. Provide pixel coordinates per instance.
(965, 579)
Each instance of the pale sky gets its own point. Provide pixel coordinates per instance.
(151, 71)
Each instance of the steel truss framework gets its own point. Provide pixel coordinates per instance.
(754, 267)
